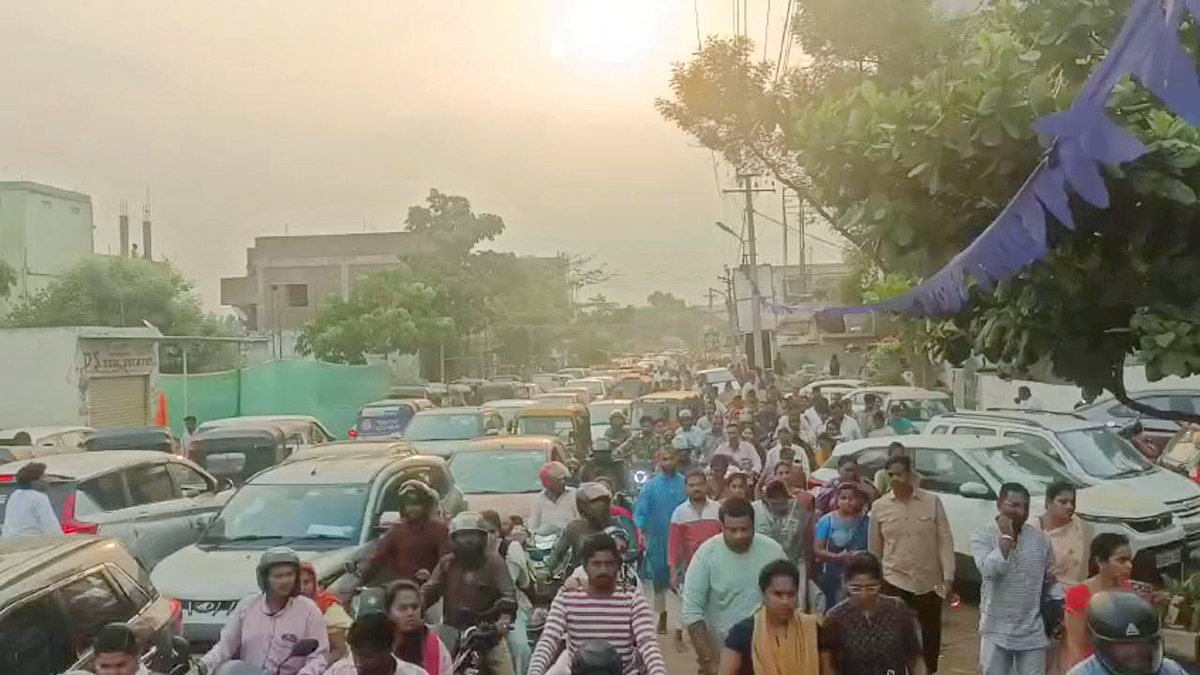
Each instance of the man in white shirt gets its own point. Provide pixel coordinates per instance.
(785, 449)
(554, 507)
(370, 642)
(847, 428)
(741, 453)
(812, 422)
(28, 511)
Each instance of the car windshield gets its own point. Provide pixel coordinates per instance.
(498, 471)
(924, 409)
(383, 420)
(1103, 454)
(1020, 464)
(655, 411)
(291, 513)
(545, 426)
(444, 427)
(599, 412)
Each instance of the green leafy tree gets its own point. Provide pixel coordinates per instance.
(8, 279)
(912, 163)
(389, 311)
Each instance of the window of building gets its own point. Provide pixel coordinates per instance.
(297, 295)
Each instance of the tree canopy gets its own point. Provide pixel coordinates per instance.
(911, 159)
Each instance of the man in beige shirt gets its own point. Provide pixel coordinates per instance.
(908, 525)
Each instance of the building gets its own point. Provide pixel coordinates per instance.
(43, 231)
(79, 375)
(289, 277)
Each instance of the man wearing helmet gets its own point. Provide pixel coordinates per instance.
(554, 507)
(263, 628)
(474, 585)
(412, 547)
(616, 433)
(1125, 634)
(595, 504)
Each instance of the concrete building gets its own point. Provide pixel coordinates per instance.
(288, 278)
(43, 231)
(79, 375)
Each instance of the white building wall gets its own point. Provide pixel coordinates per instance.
(41, 371)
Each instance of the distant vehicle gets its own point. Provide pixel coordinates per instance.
(131, 438)
(48, 440)
(594, 385)
(1089, 450)
(389, 417)
(308, 428)
(501, 473)
(665, 406)
(832, 388)
(550, 380)
(569, 424)
(443, 431)
(1109, 409)
(920, 405)
(413, 391)
(717, 377)
(331, 511)
(632, 387)
(966, 473)
(583, 395)
(56, 593)
(600, 411)
(508, 409)
(574, 372)
(559, 400)
(154, 503)
(495, 391)
(238, 452)
(505, 378)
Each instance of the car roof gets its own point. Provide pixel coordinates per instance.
(510, 403)
(461, 410)
(391, 401)
(715, 370)
(223, 421)
(928, 441)
(670, 396)
(541, 409)
(1053, 421)
(837, 382)
(85, 464)
(612, 402)
(35, 432)
(21, 557)
(336, 469)
(515, 442)
(1109, 399)
(912, 393)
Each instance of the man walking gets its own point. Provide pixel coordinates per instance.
(690, 440)
(784, 519)
(721, 584)
(741, 452)
(693, 523)
(604, 611)
(1016, 563)
(652, 515)
(909, 533)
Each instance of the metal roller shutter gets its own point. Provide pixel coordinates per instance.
(117, 401)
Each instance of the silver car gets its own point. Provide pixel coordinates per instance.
(153, 502)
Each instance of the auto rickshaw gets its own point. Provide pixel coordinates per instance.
(570, 424)
(665, 406)
(632, 387)
(496, 391)
(130, 438)
(237, 453)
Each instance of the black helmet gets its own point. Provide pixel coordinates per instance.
(1124, 633)
(596, 657)
(277, 555)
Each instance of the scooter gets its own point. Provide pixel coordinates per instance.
(301, 649)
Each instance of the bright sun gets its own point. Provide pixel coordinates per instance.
(605, 32)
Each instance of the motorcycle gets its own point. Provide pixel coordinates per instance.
(301, 649)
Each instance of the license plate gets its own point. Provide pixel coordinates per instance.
(1167, 558)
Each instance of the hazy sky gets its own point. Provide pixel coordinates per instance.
(245, 117)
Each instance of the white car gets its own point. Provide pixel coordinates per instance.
(717, 377)
(966, 473)
(920, 405)
(594, 385)
(1090, 450)
(49, 439)
(832, 388)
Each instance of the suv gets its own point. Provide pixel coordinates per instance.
(1109, 409)
(56, 593)
(966, 473)
(444, 431)
(1091, 451)
(153, 502)
(330, 509)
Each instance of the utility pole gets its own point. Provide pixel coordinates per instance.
(756, 353)
(783, 210)
(731, 309)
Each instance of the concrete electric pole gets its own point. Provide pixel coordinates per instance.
(755, 353)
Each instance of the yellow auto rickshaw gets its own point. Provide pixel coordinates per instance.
(664, 406)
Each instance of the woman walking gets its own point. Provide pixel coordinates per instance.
(1069, 540)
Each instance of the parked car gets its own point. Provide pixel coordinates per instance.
(966, 473)
(131, 438)
(307, 428)
(501, 473)
(550, 380)
(329, 511)
(376, 446)
(1109, 409)
(389, 417)
(56, 593)
(920, 405)
(832, 388)
(1091, 451)
(48, 440)
(153, 503)
(237, 452)
(443, 431)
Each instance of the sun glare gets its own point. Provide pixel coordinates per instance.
(605, 32)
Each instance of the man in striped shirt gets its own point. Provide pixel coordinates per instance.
(603, 611)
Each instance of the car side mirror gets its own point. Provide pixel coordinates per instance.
(225, 484)
(975, 490)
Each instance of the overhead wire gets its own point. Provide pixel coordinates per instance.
(784, 40)
(767, 31)
(696, 13)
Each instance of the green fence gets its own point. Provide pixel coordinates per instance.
(331, 393)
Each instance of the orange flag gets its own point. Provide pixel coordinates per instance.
(161, 418)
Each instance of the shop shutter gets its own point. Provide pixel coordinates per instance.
(117, 401)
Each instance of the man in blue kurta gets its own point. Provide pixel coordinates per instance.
(652, 515)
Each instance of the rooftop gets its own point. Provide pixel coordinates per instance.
(41, 188)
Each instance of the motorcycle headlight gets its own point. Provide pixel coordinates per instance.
(640, 477)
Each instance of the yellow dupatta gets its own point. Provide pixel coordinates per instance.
(787, 650)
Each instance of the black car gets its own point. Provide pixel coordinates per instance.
(131, 438)
(56, 593)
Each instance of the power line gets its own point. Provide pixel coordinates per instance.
(767, 30)
(784, 40)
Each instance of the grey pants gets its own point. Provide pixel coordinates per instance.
(996, 660)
